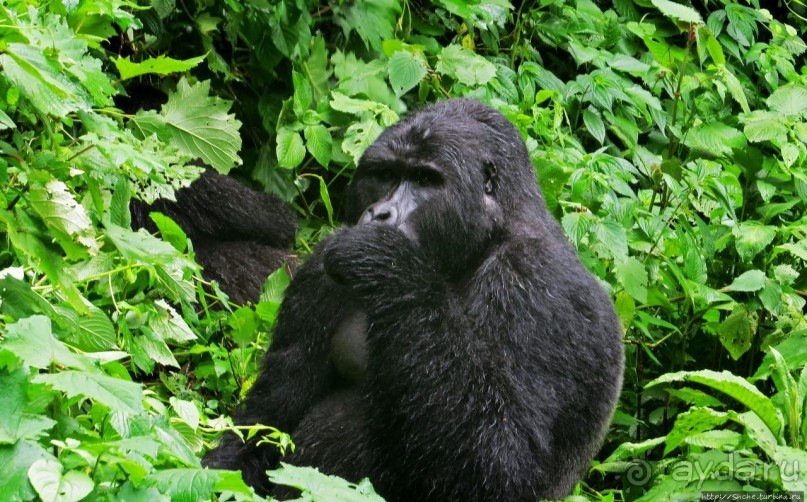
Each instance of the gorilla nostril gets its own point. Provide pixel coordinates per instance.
(382, 215)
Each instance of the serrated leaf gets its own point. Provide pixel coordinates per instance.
(467, 67)
(89, 332)
(735, 88)
(358, 137)
(751, 237)
(750, 281)
(737, 331)
(168, 325)
(789, 100)
(184, 484)
(319, 143)
(15, 460)
(187, 411)
(48, 90)
(49, 482)
(632, 274)
(303, 97)
(406, 70)
(32, 341)
(678, 11)
(60, 211)
(733, 386)
(290, 150)
(693, 422)
(321, 486)
(594, 124)
(119, 213)
(763, 126)
(160, 65)
(118, 394)
(197, 124)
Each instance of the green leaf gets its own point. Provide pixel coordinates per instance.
(303, 97)
(160, 65)
(763, 126)
(733, 386)
(594, 124)
(406, 70)
(119, 213)
(750, 281)
(59, 209)
(49, 482)
(198, 124)
(319, 143)
(184, 484)
(693, 422)
(290, 150)
(737, 331)
(168, 325)
(735, 88)
(789, 100)
(91, 331)
(632, 275)
(32, 341)
(15, 460)
(170, 231)
(678, 11)
(319, 486)
(467, 67)
(358, 137)
(752, 237)
(118, 394)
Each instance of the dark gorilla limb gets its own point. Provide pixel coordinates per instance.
(492, 359)
(240, 235)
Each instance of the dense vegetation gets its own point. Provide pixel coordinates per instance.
(670, 140)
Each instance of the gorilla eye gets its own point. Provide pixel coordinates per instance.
(425, 178)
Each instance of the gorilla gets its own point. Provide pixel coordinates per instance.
(239, 235)
(448, 344)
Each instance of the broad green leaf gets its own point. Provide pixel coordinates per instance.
(789, 100)
(303, 97)
(735, 88)
(406, 70)
(465, 66)
(119, 213)
(15, 460)
(594, 124)
(160, 65)
(678, 11)
(168, 325)
(319, 143)
(692, 422)
(358, 137)
(187, 411)
(51, 484)
(59, 209)
(794, 467)
(751, 238)
(737, 331)
(633, 277)
(40, 81)
(752, 280)
(89, 332)
(714, 138)
(763, 126)
(32, 341)
(733, 386)
(198, 124)
(319, 486)
(169, 231)
(290, 149)
(118, 394)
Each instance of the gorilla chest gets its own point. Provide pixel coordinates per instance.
(348, 351)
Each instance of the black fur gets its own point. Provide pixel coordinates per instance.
(240, 235)
(493, 359)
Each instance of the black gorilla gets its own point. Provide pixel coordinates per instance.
(239, 235)
(449, 345)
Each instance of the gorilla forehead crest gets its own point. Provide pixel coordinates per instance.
(455, 130)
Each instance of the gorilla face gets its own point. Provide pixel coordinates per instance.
(433, 177)
(406, 188)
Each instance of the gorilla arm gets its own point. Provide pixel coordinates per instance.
(297, 371)
(445, 397)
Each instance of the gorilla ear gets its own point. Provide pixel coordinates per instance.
(491, 178)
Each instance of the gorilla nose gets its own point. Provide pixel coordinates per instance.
(380, 213)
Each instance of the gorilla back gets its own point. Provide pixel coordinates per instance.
(449, 344)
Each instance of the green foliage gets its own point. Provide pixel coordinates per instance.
(670, 141)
